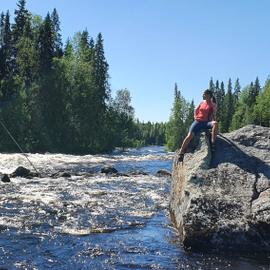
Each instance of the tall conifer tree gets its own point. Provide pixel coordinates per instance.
(58, 51)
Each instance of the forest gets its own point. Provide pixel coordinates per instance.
(56, 97)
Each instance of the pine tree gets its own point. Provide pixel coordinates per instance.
(257, 88)
(6, 59)
(58, 51)
(21, 16)
(45, 116)
(102, 91)
(220, 95)
(190, 116)
(211, 85)
(216, 90)
(228, 108)
(236, 95)
(237, 91)
(217, 85)
(46, 45)
(101, 72)
(85, 53)
(242, 115)
(176, 129)
(26, 60)
(261, 109)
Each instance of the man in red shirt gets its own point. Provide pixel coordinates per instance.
(205, 118)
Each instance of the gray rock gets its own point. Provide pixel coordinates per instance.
(222, 202)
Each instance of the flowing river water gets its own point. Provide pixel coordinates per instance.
(96, 221)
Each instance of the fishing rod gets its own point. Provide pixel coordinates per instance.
(24, 154)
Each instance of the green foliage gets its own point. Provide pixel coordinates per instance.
(179, 121)
(242, 113)
(59, 100)
(261, 113)
(150, 134)
(228, 109)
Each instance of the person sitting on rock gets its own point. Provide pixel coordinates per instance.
(204, 118)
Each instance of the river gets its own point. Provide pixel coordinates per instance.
(96, 221)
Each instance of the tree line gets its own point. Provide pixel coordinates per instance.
(236, 107)
(57, 97)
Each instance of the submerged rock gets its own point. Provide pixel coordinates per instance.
(108, 169)
(61, 174)
(222, 201)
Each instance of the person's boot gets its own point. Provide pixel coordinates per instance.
(180, 158)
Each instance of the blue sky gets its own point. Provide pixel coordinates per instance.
(151, 44)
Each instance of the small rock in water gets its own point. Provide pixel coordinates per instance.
(138, 173)
(108, 170)
(5, 178)
(61, 174)
(163, 172)
(21, 172)
(65, 174)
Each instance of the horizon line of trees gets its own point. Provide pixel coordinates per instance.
(236, 107)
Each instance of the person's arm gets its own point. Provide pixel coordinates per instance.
(196, 111)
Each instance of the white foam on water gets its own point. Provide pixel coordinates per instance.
(79, 204)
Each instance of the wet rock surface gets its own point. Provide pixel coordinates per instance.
(221, 200)
(163, 172)
(5, 178)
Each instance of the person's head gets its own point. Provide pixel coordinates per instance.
(207, 95)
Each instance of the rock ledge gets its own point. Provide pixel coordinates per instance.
(222, 202)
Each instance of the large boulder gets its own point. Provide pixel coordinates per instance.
(221, 201)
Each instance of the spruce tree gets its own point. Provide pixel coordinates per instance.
(220, 95)
(176, 128)
(46, 45)
(101, 72)
(58, 51)
(228, 108)
(236, 94)
(190, 116)
(7, 87)
(21, 16)
(102, 91)
(211, 85)
(237, 91)
(261, 109)
(217, 85)
(26, 60)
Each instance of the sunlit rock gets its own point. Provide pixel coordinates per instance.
(222, 201)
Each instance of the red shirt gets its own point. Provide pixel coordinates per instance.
(204, 111)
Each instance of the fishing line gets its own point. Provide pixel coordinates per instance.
(10, 135)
